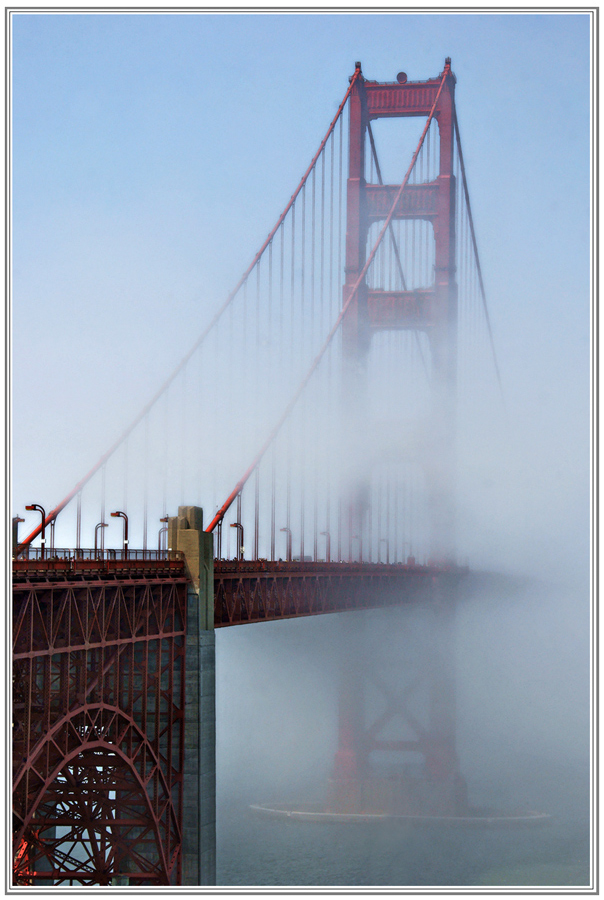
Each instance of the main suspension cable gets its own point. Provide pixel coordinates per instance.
(218, 314)
(242, 481)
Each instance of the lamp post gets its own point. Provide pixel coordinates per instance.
(43, 532)
(96, 532)
(288, 532)
(118, 514)
(16, 520)
(161, 532)
(241, 548)
(385, 541)
(327, 545)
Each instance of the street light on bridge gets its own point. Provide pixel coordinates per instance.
(96, 531)
(327, 536)
(16, 520)
(241, 548)
(52, 534)
(288, 531)
(385, 541)
(161, 532)
(43, 532)
(118, 514)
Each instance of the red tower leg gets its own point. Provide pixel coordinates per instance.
(434, 311)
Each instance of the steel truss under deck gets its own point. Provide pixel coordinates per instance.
(261, 590)
(98, 724)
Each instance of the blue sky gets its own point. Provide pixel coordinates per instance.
(153, 153)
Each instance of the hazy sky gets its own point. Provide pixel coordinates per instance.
(152, 154)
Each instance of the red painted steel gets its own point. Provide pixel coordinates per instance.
(260, 591)
(98, 702)
(400, 309)
(420, 708)
(434, 311)
(98, 721)
(419, 201)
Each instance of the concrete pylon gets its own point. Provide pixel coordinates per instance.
(185, 533)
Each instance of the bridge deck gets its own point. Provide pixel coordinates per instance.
(256, 591)
(248, 591)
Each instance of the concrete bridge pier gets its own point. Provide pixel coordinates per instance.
(185, 533)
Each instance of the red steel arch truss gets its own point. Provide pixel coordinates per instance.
(98, 726)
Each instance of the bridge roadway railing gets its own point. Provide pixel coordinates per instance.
(86, 563)
(261, 590)
(254, 590)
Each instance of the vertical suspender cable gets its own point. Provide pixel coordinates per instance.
(125, 488)
(244, 324)
(379, 511)
(302, 448)
(313, 251)
(476, 257)
(183, 432)
(331, 230)
(273, 495)
(288, 487)
(256, 513)
(315, 477)
(238, 521)
(370, 527)
(396, 517)
(256, 362)
(102, 530)
(281, 298)
(340, 202)
(292, 341)
(79, 522)
(304, 323)
(270, 294)
(145, 480)
(165, 465)
(322, 244)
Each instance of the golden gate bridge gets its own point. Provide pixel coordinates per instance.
(315, 422)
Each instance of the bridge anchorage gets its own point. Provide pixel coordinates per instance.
(350, 399)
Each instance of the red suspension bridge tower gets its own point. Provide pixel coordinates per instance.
(431, 310)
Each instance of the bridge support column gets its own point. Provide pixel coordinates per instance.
(397, 719)
(185, 533)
